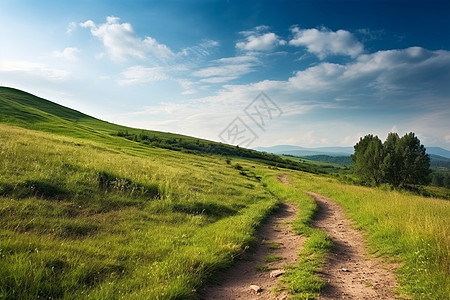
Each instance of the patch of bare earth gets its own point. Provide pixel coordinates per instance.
(350, 274)
(253, 277)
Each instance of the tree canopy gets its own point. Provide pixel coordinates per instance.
(398, 161)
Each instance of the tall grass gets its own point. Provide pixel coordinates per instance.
(409, 230)
(82, 219)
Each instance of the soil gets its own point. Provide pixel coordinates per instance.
(274, 237)
(349, 272)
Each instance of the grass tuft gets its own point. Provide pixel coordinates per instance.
(272, 258)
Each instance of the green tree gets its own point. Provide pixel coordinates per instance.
(446, 181)
(437, 179)
(367, 159)
(415, 162)
(393, 161)
(399, 161)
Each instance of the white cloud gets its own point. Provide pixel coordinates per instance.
(259, 40)
(233, 70)
(72, 26)
(121, 42)
(324, 42)
(265, 42)
(447, 139)
(381, 80)
(227, 69)
(141, 74)
(69, 53)
(218, 79)
(38, 70)
(201, 50)
(431, 126)
(412, 70)
(187, 86)
(257, 30)
(414, 78)
(161, 51)
(244, 59)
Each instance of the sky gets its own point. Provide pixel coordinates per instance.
(252, 73)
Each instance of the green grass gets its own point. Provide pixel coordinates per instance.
(272, 258)
(81, 219)
(400, 227)
(274, 245)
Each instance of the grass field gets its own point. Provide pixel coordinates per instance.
(411, 231)
(80, 219)
(87, 214)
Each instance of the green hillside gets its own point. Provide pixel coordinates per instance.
(28, 111)
(85, 213)
(89, 209)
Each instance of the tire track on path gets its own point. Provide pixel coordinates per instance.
(349, 273)
(274, 237)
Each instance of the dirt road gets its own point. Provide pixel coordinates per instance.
(349, 272)
(275, 239)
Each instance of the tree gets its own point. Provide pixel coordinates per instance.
(415, 162)
(446, 181)
(399, 161)
(367, 159)
(393, 161)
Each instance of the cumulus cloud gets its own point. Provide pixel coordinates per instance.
(141, 74)
(34, 69)
(121, 42)
(411, 70)
(415, 77)
(324, 42)
(259, 40)
(69, 53)
(381, 80)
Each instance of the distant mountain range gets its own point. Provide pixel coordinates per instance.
(302, 151)
(332, 151)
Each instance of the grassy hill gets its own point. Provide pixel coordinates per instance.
(28, 111)
(88, 214)
(90, 210)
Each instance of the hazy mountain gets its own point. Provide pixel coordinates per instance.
(340, 160)
(303, 151)
(438, 151)
(439, 161)
(332, 151)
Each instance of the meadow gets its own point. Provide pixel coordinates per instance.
(408, 231)
(88, 214)
(81, 220)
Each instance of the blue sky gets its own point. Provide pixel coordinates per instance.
(332, 70)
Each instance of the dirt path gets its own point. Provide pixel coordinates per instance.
(275, 237)
(349, 273)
